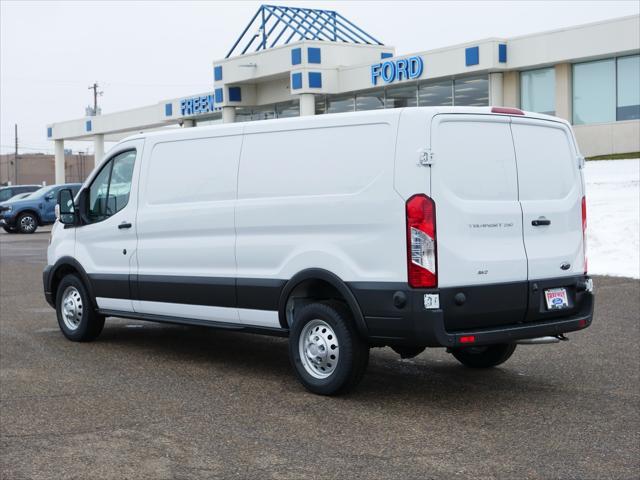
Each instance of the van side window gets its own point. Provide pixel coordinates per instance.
(109, 191)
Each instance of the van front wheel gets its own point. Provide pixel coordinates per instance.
(76, 318)
(327, 354)
(484, 357)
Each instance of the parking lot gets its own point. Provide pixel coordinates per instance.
(164, 402)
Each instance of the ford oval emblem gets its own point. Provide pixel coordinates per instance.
(565, 266)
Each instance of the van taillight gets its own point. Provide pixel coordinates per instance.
(584, 232)
(421, 242)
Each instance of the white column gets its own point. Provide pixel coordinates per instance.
(59, 161)
(307, 104)
(563, 91)
(188, 123)
(98, 149)
(496, 97)
(511, 89)
(228, 114)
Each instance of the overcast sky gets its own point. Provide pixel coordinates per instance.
(144, 52)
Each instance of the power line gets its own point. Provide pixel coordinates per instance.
(116, 83)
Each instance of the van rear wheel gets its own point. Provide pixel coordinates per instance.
(327, 354)
(76, 318)
(484, 357)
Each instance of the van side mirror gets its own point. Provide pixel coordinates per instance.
(66, 207)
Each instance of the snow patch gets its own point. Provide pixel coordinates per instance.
(613, 217)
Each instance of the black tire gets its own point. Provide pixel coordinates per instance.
(89, 323)
(484, 357)
(9, 229)
(27, 222)
(353, 351)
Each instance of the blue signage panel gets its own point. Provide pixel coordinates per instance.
(392, 70)
(197, 105)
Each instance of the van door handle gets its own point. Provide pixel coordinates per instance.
(124, 225)
(540, 221)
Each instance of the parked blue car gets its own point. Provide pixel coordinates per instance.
(27, 214)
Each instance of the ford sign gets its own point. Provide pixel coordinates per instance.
(392, 70)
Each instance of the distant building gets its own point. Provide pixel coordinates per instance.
(306, 61)
(36, 168)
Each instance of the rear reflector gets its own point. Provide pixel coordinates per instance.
(421, 242)
(507, 110)
(468, 339)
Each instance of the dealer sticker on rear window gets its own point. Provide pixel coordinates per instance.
(556, 298)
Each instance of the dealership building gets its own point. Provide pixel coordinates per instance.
(298, 61)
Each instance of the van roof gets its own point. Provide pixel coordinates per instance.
(348, 117)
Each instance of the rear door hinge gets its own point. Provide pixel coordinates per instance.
(581, 162)
(425, 157)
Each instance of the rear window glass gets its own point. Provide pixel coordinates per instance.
(547, 167)
(475, 160)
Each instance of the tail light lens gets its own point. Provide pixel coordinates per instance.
(421, 242)
(584, 232)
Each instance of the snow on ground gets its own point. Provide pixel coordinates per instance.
(613, 217)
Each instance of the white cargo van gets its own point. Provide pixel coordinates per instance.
(410, 228)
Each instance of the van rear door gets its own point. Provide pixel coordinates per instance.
(550, 192)
(474, 185)
(480, 252)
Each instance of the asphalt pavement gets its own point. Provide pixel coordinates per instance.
(171, 402)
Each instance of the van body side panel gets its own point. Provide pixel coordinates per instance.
(550, 189)
(320, 196)
(186, 232)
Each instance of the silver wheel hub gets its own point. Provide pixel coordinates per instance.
(319, 349)
(71, 308)
(27, 223)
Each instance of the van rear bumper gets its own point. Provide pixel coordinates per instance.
(397, 316)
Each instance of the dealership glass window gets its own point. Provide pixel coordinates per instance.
(371, 100)
(401, 96)
(594, 92)
(628, 83)
(288, 109)
(321, 104)
(435, 94)
(340, 103)
(266, 112)
(214, 119)
(471, 92)
(243, 114)
(538, 90)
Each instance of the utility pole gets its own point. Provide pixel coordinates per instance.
(15, 157)
(94, 87)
